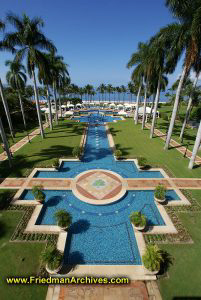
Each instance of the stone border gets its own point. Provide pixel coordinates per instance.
(98, 202)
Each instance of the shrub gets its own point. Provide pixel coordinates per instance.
(138, 219)
(64, 218)
(142, 161)
(56, 163)
(118, 153)
(51, 257)
(160, 192)
(38, 193)
(152, 258)
(76, 151)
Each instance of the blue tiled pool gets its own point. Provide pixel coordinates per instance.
(100, 234)
(97, 154)
(97, 230)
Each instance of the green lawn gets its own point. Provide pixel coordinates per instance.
(41, 153)
(18, 259)
(189, 134)
(135, 142)
(185, 273)
(20, 133)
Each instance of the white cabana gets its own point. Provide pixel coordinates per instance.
(148, 112)
(141, 110)
(122, 113)
(106, 104)
(44, 109)
(68, 113)
(112, 105)
(70, 106)
(78, 105)
(128, 107)
(63, 106)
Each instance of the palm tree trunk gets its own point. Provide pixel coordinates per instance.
(22, 109)
(38, 105)
(175, 108)
(155, 107)
(195, 148)
(5, 104)
(145, 103)
(137, 105)
(55, 102)
(60, 105)
(188, 110)
(5, 142)
(50, 109)
(152, 104)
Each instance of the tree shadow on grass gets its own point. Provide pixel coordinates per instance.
(124, 151)
(167, 262)
(3, 228)
(114, 131)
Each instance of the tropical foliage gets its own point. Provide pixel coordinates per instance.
(152, 258)
(138, 219)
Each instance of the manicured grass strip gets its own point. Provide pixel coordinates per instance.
(135, 142)
(18, 259)
(41, 153)
(185, 273)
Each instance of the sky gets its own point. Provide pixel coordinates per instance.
(95, 37)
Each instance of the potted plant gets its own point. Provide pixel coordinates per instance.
(52, 258)
(118, 154)
(138, 220)
(63, 218)
(76, 151)
(159, 193)
(38, 193)
(56, 163)
(152, 258)
(142, 162)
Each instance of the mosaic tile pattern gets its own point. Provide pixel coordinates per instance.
(98, 185)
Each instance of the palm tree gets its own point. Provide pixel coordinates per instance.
(45, 78)
(185, 36)
(5, 143)
(30, 39)
(102, 90)
(158, 61)
(88, 89)
(17, 79)
(142, 60)
(58, 75)
(195, 148)
(123, 90)
(197, 69)
(109, 90)
(5, 46)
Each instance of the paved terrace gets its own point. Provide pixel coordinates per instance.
(138, 184)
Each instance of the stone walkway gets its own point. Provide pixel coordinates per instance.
(22, 142)
(136, 290)
(62, 183)
(176, 145)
